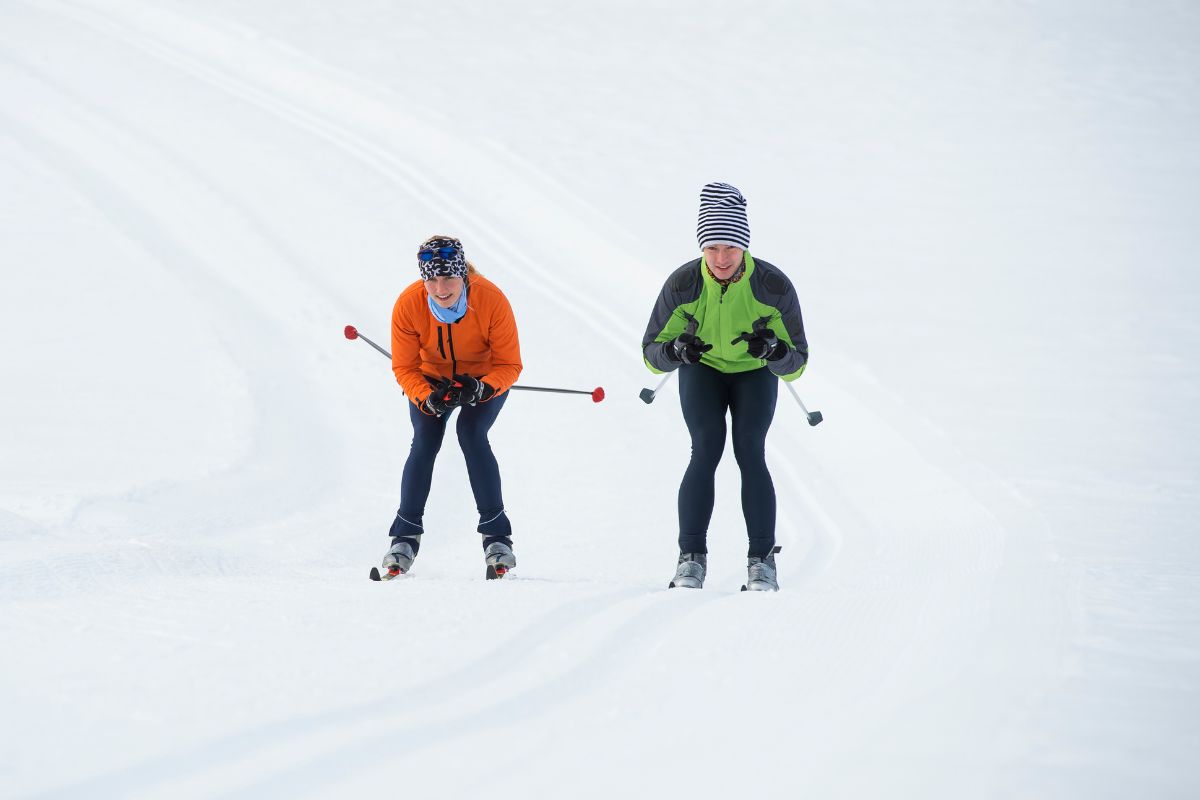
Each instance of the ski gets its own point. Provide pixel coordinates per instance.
(393, 571)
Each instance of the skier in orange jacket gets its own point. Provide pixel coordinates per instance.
(454, 346)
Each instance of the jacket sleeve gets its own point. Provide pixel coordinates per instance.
(791, 366)
(505, 346)
(406, 356)
(668, 319)
(652, 341)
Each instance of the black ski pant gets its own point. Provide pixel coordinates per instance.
(706, 394)
(474, 422)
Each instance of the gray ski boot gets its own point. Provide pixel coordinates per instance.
(760, 573)
(500, 559)
(399, 557)
(689, 571)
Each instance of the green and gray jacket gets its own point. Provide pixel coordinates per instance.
(763, 294)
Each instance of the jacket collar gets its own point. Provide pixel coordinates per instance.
(746, 269)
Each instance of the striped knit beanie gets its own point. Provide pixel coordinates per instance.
(722, 217)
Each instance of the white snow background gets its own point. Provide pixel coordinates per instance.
(991, 573)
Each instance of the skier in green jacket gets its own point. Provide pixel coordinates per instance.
(732, 325)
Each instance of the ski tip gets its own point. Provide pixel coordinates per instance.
(375, 574)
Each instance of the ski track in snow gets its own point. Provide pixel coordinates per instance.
(860, 539)
(294, 753)
(263, 358)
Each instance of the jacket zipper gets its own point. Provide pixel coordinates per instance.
(721, 331)
(453, 358)
(441, 348)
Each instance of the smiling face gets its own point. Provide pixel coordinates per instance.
(723, 260)
(444, 290)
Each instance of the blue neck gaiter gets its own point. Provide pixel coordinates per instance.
(452, 314)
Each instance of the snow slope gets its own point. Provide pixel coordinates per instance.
(990, 569)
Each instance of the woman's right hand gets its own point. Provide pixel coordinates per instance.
(443, 397)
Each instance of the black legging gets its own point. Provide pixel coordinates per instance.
(474, 422)
(705, 394)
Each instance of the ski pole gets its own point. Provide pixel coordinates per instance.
(596, 394)
(814, 417)
(647, 395)
(352, 333)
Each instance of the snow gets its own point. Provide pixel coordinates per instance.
(991, 575)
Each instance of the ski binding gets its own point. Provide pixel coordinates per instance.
(393, 571)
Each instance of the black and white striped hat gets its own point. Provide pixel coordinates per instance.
(722, 217)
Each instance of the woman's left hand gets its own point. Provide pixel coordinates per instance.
(473, 390)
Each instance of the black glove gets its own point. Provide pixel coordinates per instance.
(686, 347)
(443, 397)
(763, 344)
(472, 390)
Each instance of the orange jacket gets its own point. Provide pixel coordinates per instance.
(483, 344)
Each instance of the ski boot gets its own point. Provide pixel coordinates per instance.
(760, 573)
(399, 558)
(689, 572)
(500, 559)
